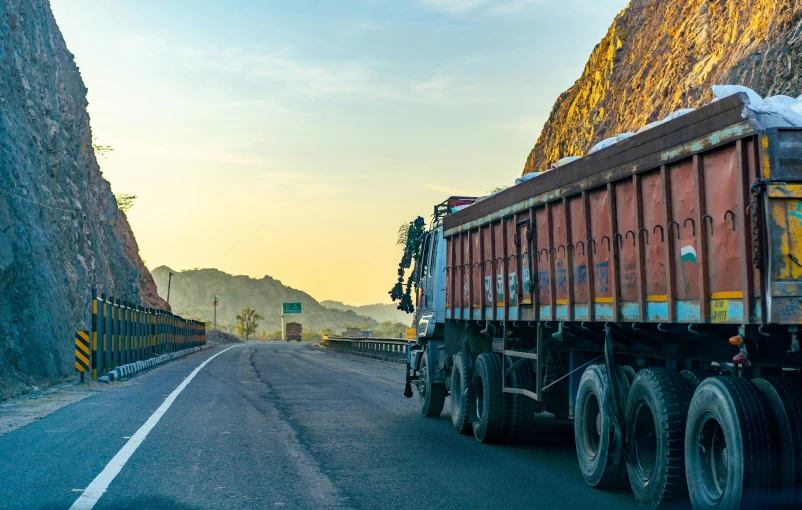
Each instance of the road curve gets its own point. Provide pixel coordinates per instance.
(284, 425)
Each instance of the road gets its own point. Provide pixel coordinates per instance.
(283, 425)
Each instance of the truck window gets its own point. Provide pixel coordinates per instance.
(433, 257)
(425, 256)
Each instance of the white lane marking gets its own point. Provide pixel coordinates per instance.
(92, 494)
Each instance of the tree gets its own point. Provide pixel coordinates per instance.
(248, 322)
(125, 202)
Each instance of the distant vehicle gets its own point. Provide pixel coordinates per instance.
(650, 292)
(366, 333)
(353, 333)
(293, 331)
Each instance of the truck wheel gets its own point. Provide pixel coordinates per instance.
(489, 419)
(521, 409)
(596, 450)
(729, 448)
(784, 400)
(657, 409)
(432, 396)
(461, 395)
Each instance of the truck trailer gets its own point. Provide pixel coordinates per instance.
(294, 331)
(651, 292)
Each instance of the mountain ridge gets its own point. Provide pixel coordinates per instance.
(192, 292)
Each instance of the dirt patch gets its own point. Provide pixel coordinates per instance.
(216, 337)
(36, 402)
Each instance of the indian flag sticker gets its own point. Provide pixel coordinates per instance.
(687, 254)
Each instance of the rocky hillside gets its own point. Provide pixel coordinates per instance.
(380, 311)
(192, 293)
(61, 232)
(663, 55)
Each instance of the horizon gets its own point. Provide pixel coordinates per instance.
(324, 127)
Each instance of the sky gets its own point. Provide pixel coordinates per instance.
(293, 138)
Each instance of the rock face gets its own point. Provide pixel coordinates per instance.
(192, 293)
(663, 55)
(60, 230)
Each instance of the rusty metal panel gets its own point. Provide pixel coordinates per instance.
(625, 238)
(449, 277)
(488, 286)
(543, 275)
(476, 274)
(601, 245)
(579, 236)
(683, 231)
(498, 271)
(524, 265)
(722, 202)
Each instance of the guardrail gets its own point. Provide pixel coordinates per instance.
(386, 349)
(122, 333)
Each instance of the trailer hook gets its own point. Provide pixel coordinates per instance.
(591, 240)
(582, 325)
(608, 241)
(733, 218)
(662, 328)
(583, 246)
(619, 240)
(760, 330)
(633, 236)
(542, 250)
(693, 225)
(645, 231)
(691, 330)
(662, 235)
(708, 217)
(678, 227)
(529, 324)
(558, 249)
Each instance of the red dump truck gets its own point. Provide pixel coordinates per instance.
(651, 292)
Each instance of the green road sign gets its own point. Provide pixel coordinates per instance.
(291, 308)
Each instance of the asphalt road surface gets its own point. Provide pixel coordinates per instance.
(283, 426)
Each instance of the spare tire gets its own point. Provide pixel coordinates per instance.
(522, 409)
(461, 394)
(489, 418)
(601, 461)
(730, 451)
(657, 409)
(784, 399)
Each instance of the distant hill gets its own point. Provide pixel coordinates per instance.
(379, 311)
(192, 293)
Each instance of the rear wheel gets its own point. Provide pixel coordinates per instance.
(657, 409)
(601, 461)
(431, 395)
(522, 409)
(729, 448)
(461, 395)
(489, 418)
(784, 400)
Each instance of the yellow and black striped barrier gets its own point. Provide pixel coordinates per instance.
(122, 333)
(82, 356)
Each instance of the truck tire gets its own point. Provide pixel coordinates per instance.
(657, 409)
(729, 448)
(521, 409)
(432, 396)
(489, 419)
(461, 395)
(596, 450)
(784, 400)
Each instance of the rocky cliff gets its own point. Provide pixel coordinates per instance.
(61, 232)
(192, 293)
(663, 55)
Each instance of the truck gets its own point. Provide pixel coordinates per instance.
(651, 292)
(293, 331)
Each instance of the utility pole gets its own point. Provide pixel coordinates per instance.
(214, 303)
(169, 281)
